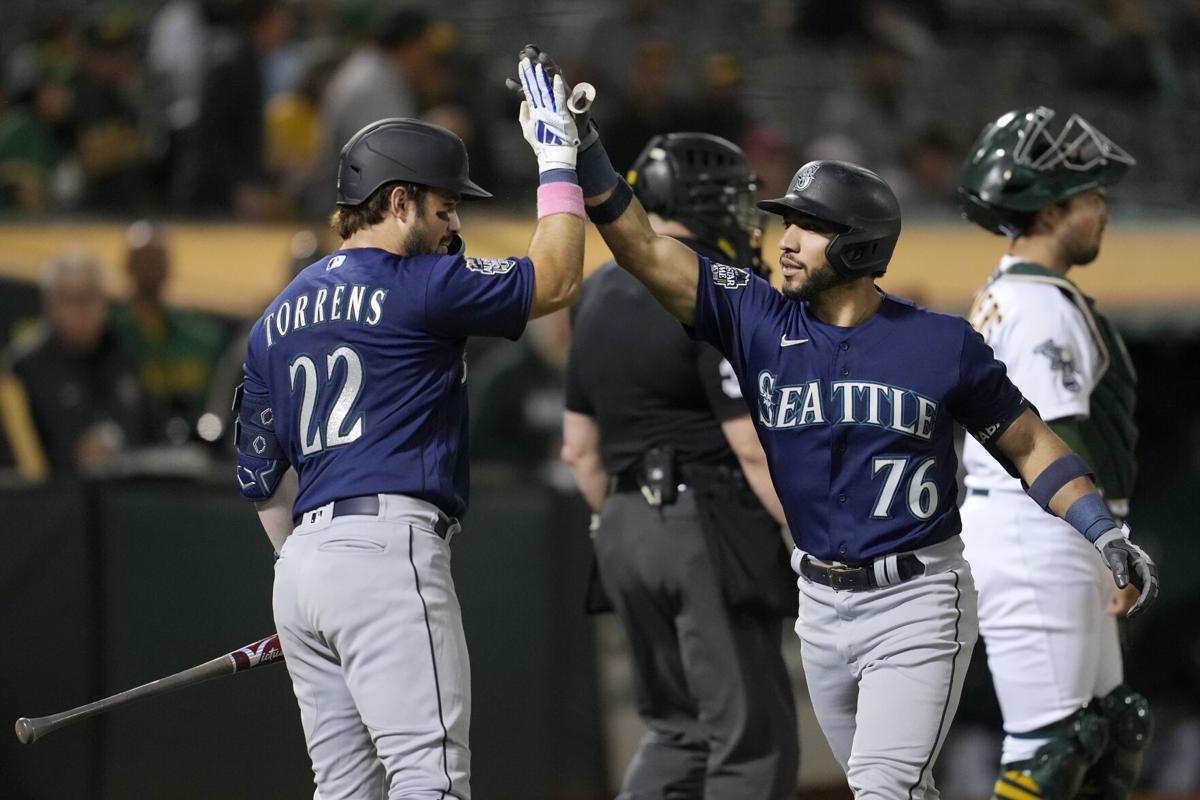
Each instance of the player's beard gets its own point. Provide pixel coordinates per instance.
(420, 242)
(1083, 253)
(816, 282)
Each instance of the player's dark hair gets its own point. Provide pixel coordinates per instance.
(346, 220)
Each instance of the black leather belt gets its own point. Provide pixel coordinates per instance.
(368, 506)
(856, 579)
(629, 480)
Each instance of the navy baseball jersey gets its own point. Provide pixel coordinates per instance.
(857, 422)
(360, 362)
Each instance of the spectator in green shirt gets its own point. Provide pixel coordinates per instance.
(175, 350)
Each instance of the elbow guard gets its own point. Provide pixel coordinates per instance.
(261, 460)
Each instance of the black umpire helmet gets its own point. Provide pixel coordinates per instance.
(704, 182)
(402, 149)
(859, 205)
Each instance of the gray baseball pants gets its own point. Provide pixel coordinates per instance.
(711, 685)
(885, 669)
(372, 632)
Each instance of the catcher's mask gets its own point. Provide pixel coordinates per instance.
(704, 182)
(859, 205)
(402, 149)
(1019, 165)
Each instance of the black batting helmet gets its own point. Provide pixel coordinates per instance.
(402, 149)
(857, 203)
(704, 182)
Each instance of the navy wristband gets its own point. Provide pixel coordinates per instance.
(613, 207)
(1060, 472)
(596, 172)
(1089, 515)
(558, 175)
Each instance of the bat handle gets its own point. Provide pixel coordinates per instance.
(581, 99)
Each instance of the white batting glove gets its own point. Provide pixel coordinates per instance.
(548, 125)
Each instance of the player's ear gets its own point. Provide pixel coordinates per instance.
(1046, 219)
(398, 203)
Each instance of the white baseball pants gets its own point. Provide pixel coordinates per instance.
(1042, 592)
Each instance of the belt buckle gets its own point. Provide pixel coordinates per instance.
(839, 576)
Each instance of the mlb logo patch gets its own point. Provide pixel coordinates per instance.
(729, 277)
(335, 262)
(491, 266)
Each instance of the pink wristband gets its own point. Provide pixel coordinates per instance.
(560, 197)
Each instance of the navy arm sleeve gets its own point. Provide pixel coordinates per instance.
(478, 296)
(260, 455)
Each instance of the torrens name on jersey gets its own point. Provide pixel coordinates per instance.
(847, 403)
(359, 304)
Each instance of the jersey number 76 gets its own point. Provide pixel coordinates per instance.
(922, 494)
(339, 411)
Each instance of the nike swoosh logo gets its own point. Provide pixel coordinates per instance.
(786, 342)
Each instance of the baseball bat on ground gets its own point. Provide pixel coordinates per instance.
(264, 651)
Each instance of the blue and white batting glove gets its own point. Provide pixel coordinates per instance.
(548, 125)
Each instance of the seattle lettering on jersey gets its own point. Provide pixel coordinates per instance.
(848, 403)
(357, 303)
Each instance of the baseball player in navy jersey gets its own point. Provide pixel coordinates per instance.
(1074, 728)
(352, 422)
(855, 394)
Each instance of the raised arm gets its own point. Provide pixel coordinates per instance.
(1059, 481)
(556, 248)
(667, 267)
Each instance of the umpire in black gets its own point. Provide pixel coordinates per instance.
(688, 546)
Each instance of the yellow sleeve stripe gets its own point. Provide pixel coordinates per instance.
(21, 431)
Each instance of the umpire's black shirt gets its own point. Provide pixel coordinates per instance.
(647, 384)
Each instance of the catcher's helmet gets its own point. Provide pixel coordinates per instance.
(704, 182)
(402, 149)
(855, 201)
(1018, 166)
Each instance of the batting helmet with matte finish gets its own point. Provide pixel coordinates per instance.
(856, 202)
(1018, 165)
(704, 182)
(402, 149)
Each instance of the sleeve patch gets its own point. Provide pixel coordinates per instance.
(729, 277)
(491, 266)
(1061, 360)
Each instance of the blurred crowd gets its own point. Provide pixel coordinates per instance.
(94, 386)
(236, 108)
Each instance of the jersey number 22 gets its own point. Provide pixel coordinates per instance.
(310, 435)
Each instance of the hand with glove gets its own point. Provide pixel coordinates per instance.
(597, 178)
(548, 126)
(579, 98)
(1130, 565)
